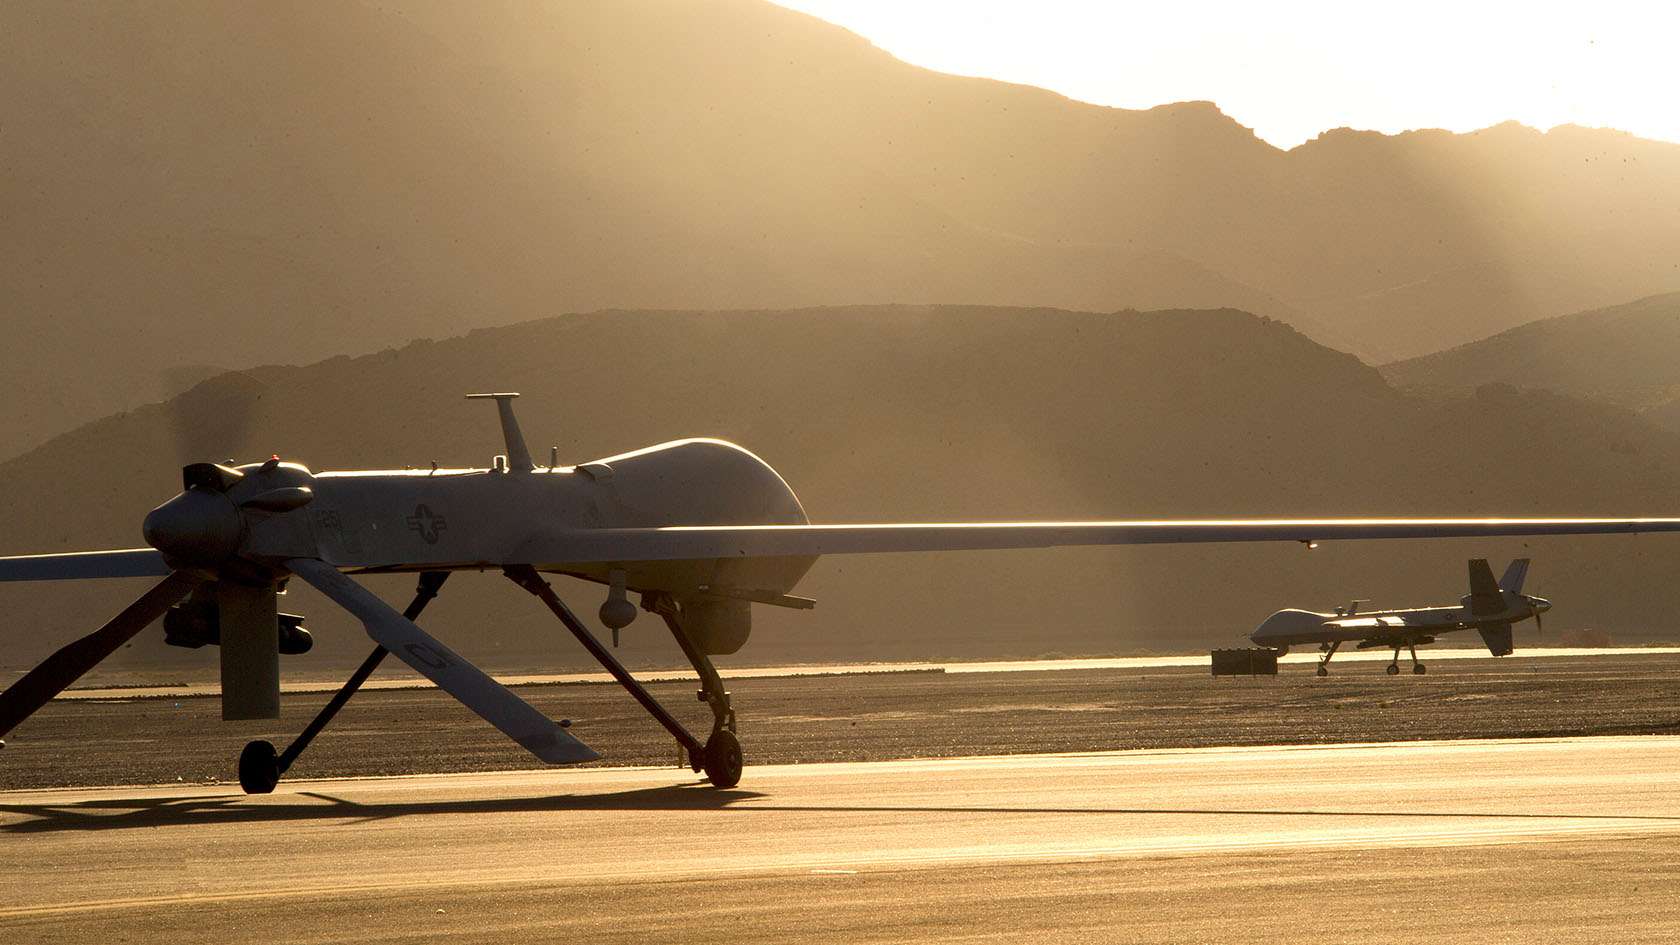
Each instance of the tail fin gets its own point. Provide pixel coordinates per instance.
(1498, 639)
(1485, 597)
(1512, 582)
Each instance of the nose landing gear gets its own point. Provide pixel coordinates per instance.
(719, 756)
(721, 759)
(1324, 661)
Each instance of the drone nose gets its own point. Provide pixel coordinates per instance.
(197, 527)
(1540, 603)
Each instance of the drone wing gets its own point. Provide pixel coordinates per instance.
(761, 541)
(696, 542)
(128, 562)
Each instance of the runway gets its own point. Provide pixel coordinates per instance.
(1304, 657)
(614, 853)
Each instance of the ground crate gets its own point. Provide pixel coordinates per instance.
(1256, 661)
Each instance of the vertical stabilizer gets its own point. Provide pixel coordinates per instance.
(1512, 582)
(518, 456)
(1485, 597)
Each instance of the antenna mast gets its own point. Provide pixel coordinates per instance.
(518, 456)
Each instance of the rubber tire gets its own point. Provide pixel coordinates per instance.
(1419, 669)
(259, 768)
(1324, 671)
(723, 762)
(1394, 669)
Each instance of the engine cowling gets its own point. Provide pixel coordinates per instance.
(717, 627)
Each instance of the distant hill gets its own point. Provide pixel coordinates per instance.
(1627, 355)
(204, 183)
(914, 413)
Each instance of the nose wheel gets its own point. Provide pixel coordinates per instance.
(1329, 650)
(721, 759)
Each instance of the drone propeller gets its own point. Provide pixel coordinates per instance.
(72, 661)
(214, 415)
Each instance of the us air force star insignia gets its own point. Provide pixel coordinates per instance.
(427, 524)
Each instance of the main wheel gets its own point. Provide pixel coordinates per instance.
(722, 762)
(1323, 670)
(1394, 669)
(259, 768)
(1418, 669)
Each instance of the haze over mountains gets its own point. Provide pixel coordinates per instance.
(1628, 355)
(920, 414)
(206, 184)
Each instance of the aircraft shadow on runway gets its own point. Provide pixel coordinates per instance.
(119, 813)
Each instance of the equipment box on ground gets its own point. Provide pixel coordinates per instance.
(1247, 662)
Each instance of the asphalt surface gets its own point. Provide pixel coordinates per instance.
(90, 742)
(1194, 661)
(1555, 840)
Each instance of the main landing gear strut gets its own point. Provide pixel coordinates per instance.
(720, 755)
(1394, 664)
(260, 767)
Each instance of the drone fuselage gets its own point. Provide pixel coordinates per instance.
(453, 519)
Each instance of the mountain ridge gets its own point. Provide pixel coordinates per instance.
(1627, 355)
(207, 184)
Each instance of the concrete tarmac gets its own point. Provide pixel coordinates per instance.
(1521, 840)
(407, 679)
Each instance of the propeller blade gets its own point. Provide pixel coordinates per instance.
(72, 661)
(516, 718)
(1539, 625)
(214, 416)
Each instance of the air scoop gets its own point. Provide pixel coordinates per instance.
(284, 499)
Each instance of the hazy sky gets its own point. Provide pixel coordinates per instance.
(1290, 70)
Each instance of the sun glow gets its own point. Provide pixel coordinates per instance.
(1291, 70)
